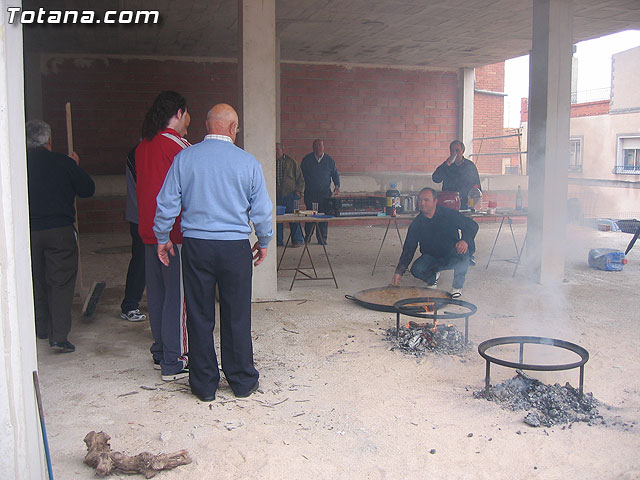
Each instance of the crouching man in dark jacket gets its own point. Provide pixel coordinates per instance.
(446, 239)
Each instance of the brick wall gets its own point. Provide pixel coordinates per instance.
(587, 109)
(109, 98)
(488, 114)
(372, 119)
(590, 109)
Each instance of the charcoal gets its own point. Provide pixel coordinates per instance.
(419, 339)
(532, 419)
(547, 405)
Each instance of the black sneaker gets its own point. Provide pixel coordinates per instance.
(63, 347)
(175, 376)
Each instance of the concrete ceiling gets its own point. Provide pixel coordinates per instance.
(443, 33)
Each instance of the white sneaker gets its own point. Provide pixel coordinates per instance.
(456, 292)
(133, 316)
(435, 283)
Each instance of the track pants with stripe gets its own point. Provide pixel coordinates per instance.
(167, 311)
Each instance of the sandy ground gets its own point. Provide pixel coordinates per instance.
(336, 402)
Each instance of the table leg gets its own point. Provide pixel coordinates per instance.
(524, 242)
(513, 236)
(395, 221)
(381, 244)
(305, 248)
(286, 244)
(495, 241)
(326, 255)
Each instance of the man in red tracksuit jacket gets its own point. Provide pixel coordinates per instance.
(163, 129)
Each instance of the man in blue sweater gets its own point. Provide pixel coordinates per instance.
(447, 241)
(220, 189)
(318, 170)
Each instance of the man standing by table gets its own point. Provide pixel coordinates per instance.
(221, 190)
(319, 169)
(289, 187)
(457, 174)
(164, 126)
(437, 230)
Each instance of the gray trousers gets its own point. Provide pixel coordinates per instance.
(167, 310)
(54, 266)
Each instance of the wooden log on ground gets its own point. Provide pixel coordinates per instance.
(105, 461)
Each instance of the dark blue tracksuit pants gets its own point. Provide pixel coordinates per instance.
(227, 264)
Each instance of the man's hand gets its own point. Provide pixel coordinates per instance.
(462, 247)
(336, 191)
(75, 158)
(260, 255)
(395, 281)
(164, 249)
(451, 159)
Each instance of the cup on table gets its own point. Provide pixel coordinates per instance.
(296, 206)
(314, 206)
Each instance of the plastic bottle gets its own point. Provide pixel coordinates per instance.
(393, 201)
(474, 197)
(519, 199)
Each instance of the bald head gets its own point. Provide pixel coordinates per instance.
(222, 119)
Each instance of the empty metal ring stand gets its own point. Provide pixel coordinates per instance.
(577, 349)
(404, 307)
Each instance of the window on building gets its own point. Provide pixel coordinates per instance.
(575, 155)
(628, 162)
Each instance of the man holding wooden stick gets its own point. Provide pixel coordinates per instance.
(54, 181)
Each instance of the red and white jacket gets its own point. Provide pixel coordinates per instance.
(153, 159)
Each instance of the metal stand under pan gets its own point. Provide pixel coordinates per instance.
(415, 307)
(522, 340)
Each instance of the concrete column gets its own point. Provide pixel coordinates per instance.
(278, 98)
(20, 438)
(257, 109)
(466, 86)
(548, 139)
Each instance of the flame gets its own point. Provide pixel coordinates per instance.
(429, 307)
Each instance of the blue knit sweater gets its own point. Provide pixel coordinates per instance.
(220, 189)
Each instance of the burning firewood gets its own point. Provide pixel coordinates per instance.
(105, 461)
(419, 338)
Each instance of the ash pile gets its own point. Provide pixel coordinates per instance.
(547, 405)
(418, 339)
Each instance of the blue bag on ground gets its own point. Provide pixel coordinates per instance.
(606, 259)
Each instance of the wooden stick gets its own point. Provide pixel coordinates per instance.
(67, 108)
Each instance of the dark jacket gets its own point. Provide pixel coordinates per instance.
(292, 178)
(318, 175)
(458, 178)
(437, 236)
(54, 182)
